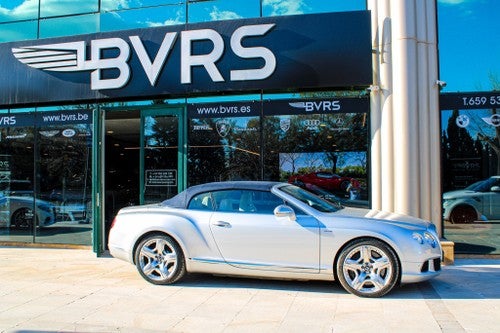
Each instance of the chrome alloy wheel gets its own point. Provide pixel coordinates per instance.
(368, 268)
(160, 260)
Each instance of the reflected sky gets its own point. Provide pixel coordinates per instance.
(469, 44)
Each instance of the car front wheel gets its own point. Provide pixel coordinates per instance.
(463, 214)
(368, 268)
(160, 260)
(22, 218)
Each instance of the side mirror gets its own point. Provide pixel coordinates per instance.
(495, 189)
(285, 211)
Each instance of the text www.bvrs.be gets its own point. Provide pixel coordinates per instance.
(65, 117)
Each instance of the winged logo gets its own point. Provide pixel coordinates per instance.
(62, 57)
(299, 105)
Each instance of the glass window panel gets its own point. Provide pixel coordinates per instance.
(222, 10)
(298, 147)
(10, 32)
(471, 192)
(224, 149)
(50, 8)
(66, 26)
(293, 7)
(143, 18)
(109, 5)
(17, 202)
(64, 157)
(16, 10)
(469, 57)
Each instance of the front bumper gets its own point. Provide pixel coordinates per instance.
(421, 271)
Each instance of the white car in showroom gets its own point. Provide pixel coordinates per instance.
(274, 230)
(477, 202)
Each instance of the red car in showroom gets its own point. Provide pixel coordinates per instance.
(326, 180)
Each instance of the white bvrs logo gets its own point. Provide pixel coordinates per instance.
(72, 57)
(317, 106)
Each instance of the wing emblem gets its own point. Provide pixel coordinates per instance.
(62, 57)
(300, 105)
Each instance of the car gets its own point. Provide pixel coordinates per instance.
(477, 202)
(326, 180)
(274, 230)
(17, 212)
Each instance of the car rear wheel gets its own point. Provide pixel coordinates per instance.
(22, 218)
(463, 214)
(368, 268)
(160, 260)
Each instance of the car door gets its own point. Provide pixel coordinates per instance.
(249, 235)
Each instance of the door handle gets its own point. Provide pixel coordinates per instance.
(222, 224)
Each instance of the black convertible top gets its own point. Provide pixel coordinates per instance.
(182, 199)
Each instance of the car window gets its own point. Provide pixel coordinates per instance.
(201, 201)
(310, 199)
(246, 201)
(324, 175)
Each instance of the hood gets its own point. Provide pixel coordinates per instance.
(458, 194)
(401, 220)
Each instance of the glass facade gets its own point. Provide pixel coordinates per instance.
(470, 124)
(32, 19)
(45, 177)
(49, 179)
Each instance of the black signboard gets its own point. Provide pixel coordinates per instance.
(315, 106)
(326, 50)
(42, 119)
(474, 100)
(224, 109)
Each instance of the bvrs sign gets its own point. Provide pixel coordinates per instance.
(71, 57)
(290, 52)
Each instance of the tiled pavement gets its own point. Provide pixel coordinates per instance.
(62, 290)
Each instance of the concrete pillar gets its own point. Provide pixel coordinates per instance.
(405, 151)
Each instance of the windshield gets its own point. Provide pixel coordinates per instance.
(310, 199)
(484, 185)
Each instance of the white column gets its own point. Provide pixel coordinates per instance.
(405, 131)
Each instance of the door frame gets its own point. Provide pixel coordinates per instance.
(99, 169)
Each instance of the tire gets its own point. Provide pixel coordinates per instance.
(463, 214)
(344, 185)
(368, 268)
(159, 259)
(22, 218)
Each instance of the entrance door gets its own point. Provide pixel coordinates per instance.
(163, 155)
(143, 158)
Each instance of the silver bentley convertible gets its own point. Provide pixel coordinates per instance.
(274, 230)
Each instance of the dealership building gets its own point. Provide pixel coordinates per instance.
(107, 103)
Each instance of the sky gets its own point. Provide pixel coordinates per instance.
(469, 44)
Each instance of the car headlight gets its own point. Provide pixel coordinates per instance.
(426, 237)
